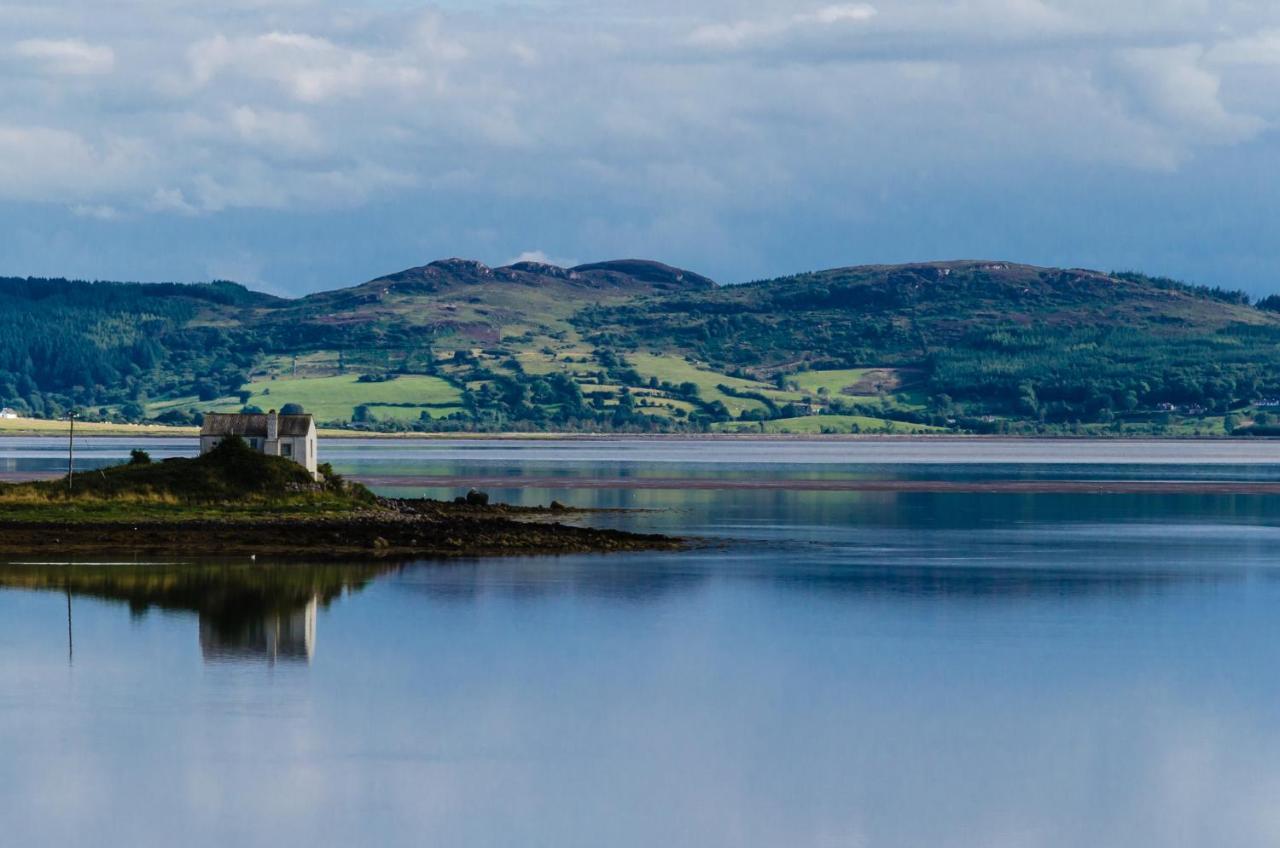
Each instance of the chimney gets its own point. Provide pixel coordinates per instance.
(273, 426)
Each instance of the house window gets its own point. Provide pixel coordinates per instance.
(253, 443)
(286, 449)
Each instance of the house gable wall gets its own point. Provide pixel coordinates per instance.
(302, 447)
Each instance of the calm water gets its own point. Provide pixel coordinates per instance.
(838, 669)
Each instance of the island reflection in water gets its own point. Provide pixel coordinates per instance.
(246, 612)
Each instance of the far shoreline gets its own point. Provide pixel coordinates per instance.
(52, 428)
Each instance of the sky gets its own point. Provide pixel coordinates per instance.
(298, 145)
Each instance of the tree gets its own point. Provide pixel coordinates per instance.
(1028, 403)
(292, 409)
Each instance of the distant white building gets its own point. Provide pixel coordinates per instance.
(9, 414)
(290, 436)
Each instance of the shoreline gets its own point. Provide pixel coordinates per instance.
(1100, 487)
(320, 538)
(880, 485)
(49, 428)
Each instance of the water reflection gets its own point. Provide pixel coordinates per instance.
(646, 580)
(700, 460)
(245, 613)
(854, 669)
(272, 636)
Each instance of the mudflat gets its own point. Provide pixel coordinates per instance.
(320, 537)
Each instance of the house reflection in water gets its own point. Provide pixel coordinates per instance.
(246, 613)
(265, 636)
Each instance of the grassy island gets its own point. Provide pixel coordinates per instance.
(235, 501)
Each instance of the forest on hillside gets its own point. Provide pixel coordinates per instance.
(965, 347)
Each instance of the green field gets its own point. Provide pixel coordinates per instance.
(833, 381)
(335, 398)
(677, 370)
(58, 427)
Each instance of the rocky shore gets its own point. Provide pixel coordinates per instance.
(234, 501)
(438, 532)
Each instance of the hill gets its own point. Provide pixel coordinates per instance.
(640, 346)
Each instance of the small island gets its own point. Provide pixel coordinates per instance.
(235, 501)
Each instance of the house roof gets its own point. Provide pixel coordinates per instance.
(223, 424)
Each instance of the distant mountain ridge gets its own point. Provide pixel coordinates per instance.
(617, 274)
(636, 344)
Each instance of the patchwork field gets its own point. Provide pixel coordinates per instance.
(336, 398)
(677, 370)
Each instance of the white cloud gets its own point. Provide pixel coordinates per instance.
(615, 124)
(257, 184)
(744, 32)
(309, 68)
(1261, 48)
(170, 200)
(47, 163)
(66, 56)
(836, 14)
(1173, 86)
(98, 211)
(278, 130)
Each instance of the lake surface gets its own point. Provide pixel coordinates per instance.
(837, 668)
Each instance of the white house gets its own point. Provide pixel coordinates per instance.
(290, 436)
(8, 414)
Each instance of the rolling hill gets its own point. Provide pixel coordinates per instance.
(974, 346)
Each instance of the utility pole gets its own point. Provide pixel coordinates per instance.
(71, 447)
(70, 645)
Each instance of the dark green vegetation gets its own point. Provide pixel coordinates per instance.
(641, 347)
(234, 501)
(229, 479)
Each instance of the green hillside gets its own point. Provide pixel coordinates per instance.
(638, 346)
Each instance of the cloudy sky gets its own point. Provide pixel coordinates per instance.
(304, 144)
